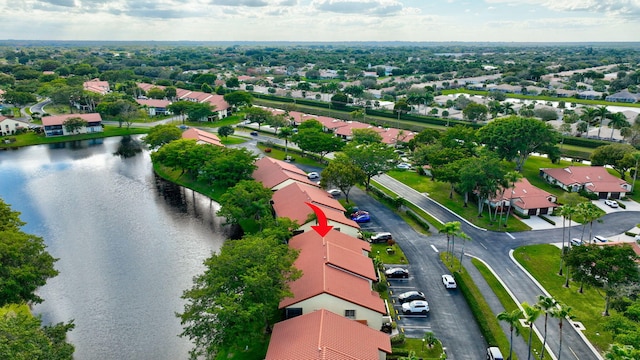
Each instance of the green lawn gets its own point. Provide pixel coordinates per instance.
(543, 262)
(439, 192)
(421, 350)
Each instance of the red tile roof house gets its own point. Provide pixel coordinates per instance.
(276, 174)
(154, 106)
(97, 86)
(335, 285)
(54, 125)
(222, 108)
(202, 137)
(526, 199)
(324, 335)
(593, 179)
(290, 202)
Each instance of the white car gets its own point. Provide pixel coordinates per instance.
(313, 175)
(415, 307)
(334, 192)
(611, 203)
(449, 282)
(576, 242)
(404, 166)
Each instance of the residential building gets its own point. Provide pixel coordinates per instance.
(593, 179)
(322, 334)
(290, 201)
(202, 137)
(154, 106)
(8, 126)
(623, 96)
(97, 86)
(526, 199)
(276, 174)
(54, 125)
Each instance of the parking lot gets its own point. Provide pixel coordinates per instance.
(412, 325)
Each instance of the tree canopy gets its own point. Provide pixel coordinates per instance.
(236, 299)
(618, 156)
(515, 138)
(343, 174)
(162, 134)
(372, 159)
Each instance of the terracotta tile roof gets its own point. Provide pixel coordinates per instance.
(330, 251)
(271, 172)
(347, 130)
(392, 135)
(337, 237)
(527, 196)
(325, 335)
(596, 178)
(59, 119)
(202, 136)
(321, 278)
(197, 96)
(97, 86)
(154, 103)
(147, 86)
(290, 202)
(218, 102)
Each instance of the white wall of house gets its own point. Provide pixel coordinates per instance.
(345, 229)
(338, 306)
(9, 126)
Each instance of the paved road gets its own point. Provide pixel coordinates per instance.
(494, 249)
(450, 315)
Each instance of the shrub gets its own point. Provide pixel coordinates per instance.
(412, 214)
(547, 219)
(397, 339)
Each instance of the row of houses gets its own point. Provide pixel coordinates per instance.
(526, 199)
(334, 312)
(344, 128)
(222, 109)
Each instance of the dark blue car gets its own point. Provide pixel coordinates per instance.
(361, 216)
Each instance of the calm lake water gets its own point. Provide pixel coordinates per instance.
(128, 244)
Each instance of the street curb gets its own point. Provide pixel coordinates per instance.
(546, 293)
(515, 300)
(435, 202)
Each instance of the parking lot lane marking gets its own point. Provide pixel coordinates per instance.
(481, 244)
(574, 353)
(434, 249)
(509, 235)
(416, 327)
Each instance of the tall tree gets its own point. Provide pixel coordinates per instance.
(451, 229)
(373, 159)
(234, 302)
(515, 138)
(286, 133)
(561, 313)
(74, 124)
(225, 131)
(365, 136)
(546, 305)
(601, 113)
(531, 315)
(317, 141)
(614, 155)
(512, 318)
(343, 174)
(512, 178)
(618, 121)
(248, 199)
(162, 134)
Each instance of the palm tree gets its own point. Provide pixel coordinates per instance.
(512, 177)
(531, 314)
(464, 238)
(601, 112)
(561, 312)
(545, 304)
(589, 212)
(618, 121)
(588, 115)
(508, 108)
(512, 319)
(566, 211)
(285, 133)
(451, 229)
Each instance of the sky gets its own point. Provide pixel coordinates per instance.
(323, 20)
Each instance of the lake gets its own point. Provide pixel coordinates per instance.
(129, 244)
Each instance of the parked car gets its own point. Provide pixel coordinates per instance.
(381, 237)
(611, 203)
(449, 282)
(599, 238)
(576, 242)
(313, 175)
(493, 353)
(404, 166)
(410, 296)
(334, 192)
(415, 307)
(396, 273)
(361, 216)
(254, 133)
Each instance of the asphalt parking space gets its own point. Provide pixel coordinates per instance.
(412, 325)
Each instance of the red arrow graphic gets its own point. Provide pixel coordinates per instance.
(322, 228)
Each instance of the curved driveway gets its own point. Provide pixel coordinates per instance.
(494, 249)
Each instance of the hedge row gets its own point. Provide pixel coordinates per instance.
(412, 214)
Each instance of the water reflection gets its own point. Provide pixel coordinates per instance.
(129, 147)
(129, 244)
